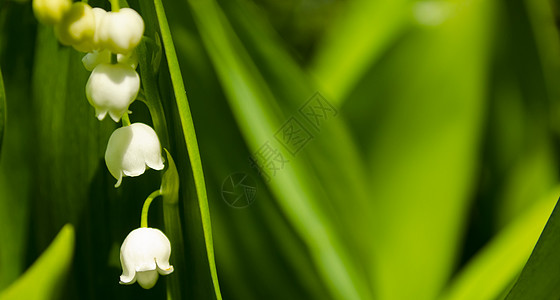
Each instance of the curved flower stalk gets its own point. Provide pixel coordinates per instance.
(145, 254)
(131, 149)
(111, 88)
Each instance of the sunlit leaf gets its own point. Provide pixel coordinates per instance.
(254, 107)
(45, 278)
(491, 272)
(355, 41)
(539, 279)
(420, 127)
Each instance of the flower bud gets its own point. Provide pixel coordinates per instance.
(95, 58)
(121, 31)
(132, 148)
(145, 253)
(77, 25)
(50, 12)
(92, 44)
(111, 88)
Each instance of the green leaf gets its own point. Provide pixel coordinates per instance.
(491, 272)
(258, 117)
(539, 278)
(355, 41)
(2, 110)
(420, 115)
(190, 138)
(44, 279)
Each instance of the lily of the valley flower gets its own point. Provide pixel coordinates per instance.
(121, 31)
(50, 11)
(145, 254)
(132, 148)
(77, 25)
(92, 44)
(111, 88)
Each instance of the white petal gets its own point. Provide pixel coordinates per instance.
(100, 114)
(116, 149)
(112, 87)
(129, 274)
(140, 251)
(99, 14)
(134, 168)
(165, 268)
(149, 144)
(119, 180)
(147, 279)
(93, 59)
(121, 31)
(131, 149)
(116, 114)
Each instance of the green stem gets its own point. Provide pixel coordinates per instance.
(115, 5)
(151, 95)
(146, 207)
(125, 119)
(114, 58)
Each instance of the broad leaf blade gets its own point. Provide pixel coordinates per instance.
(46, 276)
(491, 272)
(422, 127)
(539, 279)
(355, 41)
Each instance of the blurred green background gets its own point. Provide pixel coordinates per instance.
(430, 175)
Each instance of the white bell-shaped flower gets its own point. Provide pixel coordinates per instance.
(77, 25)
(132, 148)
(121, 31)
(92, 43)
(111, 88)
(145, 254)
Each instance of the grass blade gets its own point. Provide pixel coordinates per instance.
(2, 110)
(190, 138)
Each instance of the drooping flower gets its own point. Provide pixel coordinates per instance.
(132, 148)
(77, 25)
(111, 88)
(121, 31)
(145, 254)
(50, 12)
(92, 44)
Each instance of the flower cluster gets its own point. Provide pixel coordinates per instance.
(110, 39)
